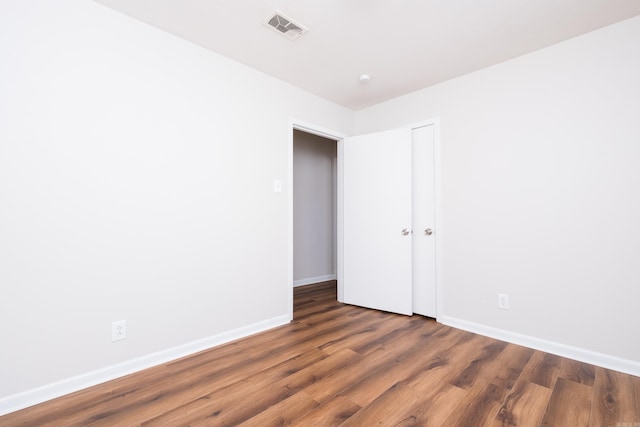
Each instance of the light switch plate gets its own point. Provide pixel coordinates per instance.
(277, 186)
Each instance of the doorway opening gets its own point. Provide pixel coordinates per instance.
(306, 131)
(314, 186)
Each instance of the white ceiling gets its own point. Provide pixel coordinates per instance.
(405, 45)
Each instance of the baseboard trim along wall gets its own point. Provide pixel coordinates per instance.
(599, 359)
(51, 391)
(312, 280)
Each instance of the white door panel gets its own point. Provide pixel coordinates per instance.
(376, 208)
(423, 216)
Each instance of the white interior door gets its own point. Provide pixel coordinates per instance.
(376, 209)
(423, 218)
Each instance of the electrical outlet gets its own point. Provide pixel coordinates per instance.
(118, 330)
(503, 301)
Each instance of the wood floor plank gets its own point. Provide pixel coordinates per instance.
(278, 382)
(332, 385)
(180, 389)
(428, 327)
(283, 413)
(543, 369)
(484, 357)
(294, 381)
(380, 410)
(478, 407)
(316, 372)
(420, 357)
(616, 400)
(524, 406)
(490, 388)
(437, 397)
(420, 390)
(392, 325)
(578, 372)
(379, 370)
(332, 413)
(318, 312)
(220, 407)
(569, 405)
(434, 408)
(454, 352)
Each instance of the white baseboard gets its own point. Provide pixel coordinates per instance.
(627, 366)
(50, 391)
(311, 280)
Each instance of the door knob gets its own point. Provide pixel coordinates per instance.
(428, 232)
(405, 231)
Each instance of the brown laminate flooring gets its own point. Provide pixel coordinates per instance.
(337, 364)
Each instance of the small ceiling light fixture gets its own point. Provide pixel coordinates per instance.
(364, 78)
(284, 25)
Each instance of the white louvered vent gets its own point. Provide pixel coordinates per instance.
(285, 26)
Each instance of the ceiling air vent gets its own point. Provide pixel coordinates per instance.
(285, 26)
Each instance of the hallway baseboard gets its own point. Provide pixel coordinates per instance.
(312, 280)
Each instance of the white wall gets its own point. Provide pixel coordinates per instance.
(136, 182)
(541, 200)
(314, 208)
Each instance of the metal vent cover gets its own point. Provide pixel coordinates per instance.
(285, 25)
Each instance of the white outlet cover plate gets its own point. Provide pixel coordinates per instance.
(503, 301)
(118, 330)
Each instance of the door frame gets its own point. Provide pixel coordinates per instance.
(295, 124)
(339, 136)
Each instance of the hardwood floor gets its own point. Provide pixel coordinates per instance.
(342, 365)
